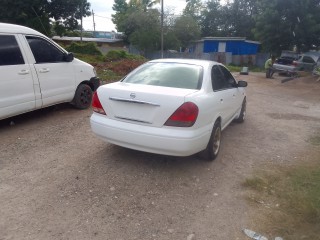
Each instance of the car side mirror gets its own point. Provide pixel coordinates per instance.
(242, 84)
(69, 57)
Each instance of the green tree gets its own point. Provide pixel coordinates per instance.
(193, 8)
(30, 13)
(234, 19)
(120, 7)
(186, 30)
(67, 12)
(210, 22)
(287, 24)
(139, 23)
(141, 26)
(37, 13)
(143, 4)
(170, 40)
(143, 30)
(237, 18)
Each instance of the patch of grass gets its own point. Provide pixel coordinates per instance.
(315, 140)
(234, 68)
(92, 59)
(304, 198)
(115, 55)
(108, 76)
(292, 201)
(255, 183)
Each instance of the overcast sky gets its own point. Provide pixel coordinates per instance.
(103, 10)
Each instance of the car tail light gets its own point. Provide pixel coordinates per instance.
(96, 104)
(185, 116)
(294, 63)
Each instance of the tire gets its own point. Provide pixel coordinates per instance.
(315, 71)
(213, 147)
(243, 112)
(83, 97)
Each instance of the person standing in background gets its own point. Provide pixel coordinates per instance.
(268, 67)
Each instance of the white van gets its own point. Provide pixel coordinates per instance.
(35, 72)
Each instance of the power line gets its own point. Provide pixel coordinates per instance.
(40, 21)
(102, 16)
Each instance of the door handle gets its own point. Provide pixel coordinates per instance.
(44, 70)
(24, 72)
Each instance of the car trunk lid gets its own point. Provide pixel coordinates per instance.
(141, 104)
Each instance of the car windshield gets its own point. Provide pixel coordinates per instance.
(168, 74)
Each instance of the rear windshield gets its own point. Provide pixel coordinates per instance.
(177, 75)
(289, 55)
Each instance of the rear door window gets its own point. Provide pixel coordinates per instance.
(218, 80)
(231, 82)
(10, 53)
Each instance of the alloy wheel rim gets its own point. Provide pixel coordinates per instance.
(244, 110)
(85, 96)
(216, 140)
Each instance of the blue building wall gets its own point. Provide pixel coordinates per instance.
(235, 47)
(248, 48)
(210, 46)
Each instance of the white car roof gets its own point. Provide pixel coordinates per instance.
(204, 63)
(13, 28)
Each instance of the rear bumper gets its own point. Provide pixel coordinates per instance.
(284, 68)
(166, 140)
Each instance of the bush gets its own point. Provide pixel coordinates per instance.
(115, 55)
(84, 48)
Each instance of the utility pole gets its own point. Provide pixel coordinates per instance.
(81, 12)
(162, 28)
(94, 25)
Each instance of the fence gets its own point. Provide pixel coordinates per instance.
(224, 58)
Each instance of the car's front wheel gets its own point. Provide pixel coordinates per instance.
(213, 147)
(83, 96)
(243, 112)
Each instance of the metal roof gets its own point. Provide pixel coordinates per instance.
(228, 39)
(86, 39)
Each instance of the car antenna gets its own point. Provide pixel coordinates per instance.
(40, 21)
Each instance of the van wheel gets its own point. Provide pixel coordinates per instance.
(243, 112)
(83, 97)
(213, 147)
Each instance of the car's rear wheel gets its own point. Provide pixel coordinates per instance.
(243, 112)
(213, 147)
(83, 96)
(316, 70)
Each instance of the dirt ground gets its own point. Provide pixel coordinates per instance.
(58, 181)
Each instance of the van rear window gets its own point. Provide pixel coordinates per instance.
(10, 53)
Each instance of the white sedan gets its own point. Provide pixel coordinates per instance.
(174, 107)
